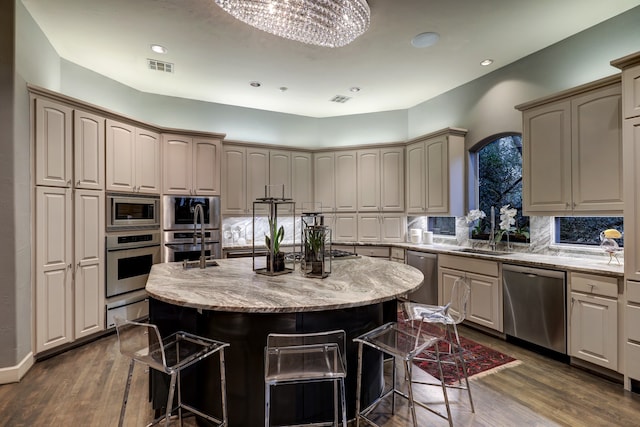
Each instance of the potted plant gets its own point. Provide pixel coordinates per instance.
(272, 241)
(314, 244)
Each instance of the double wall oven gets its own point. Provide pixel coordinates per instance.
(179, 229)
(132, 246)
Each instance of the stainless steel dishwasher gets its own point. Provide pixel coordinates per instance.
(428, 264)
(535, 306)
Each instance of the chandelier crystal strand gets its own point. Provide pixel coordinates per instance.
(328, 23)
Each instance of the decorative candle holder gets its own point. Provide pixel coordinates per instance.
(316, 246)
(275, 209)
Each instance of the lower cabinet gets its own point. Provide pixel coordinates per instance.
(593, 319)
(69, 290)
(378, 227)
(632, 320)
(485, 299)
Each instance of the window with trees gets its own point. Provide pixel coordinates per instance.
(585, 230)
(499, 164)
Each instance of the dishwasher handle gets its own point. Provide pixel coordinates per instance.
(533, 272)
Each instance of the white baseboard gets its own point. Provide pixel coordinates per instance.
(15, 373)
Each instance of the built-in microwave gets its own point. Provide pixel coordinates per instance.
(178, 212)
(132, 211)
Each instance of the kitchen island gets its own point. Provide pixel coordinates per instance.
(232, 303)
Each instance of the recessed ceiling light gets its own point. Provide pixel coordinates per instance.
(255, 84)
(486, 62)
(158, 49)
(425, 39)
(355, 89)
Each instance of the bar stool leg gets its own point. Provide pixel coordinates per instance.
(172, 388)
(335, 402)
(393, 385)
(412, 406)
(444, 387)
(358, 384)
(344, 403)
(267, 400)
(126, 394)
(223, 388)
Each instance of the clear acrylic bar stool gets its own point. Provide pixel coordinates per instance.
(404, 341)
(142, 343)
(304, 358)
(448, 317)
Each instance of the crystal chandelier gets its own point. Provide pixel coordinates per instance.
(329, 23)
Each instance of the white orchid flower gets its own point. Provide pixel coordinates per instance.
(507, 217)
(474, 215)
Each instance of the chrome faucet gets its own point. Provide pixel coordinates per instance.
(198, 210)
(492, 236)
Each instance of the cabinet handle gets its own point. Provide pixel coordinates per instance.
(78, 183)
(69, 266)
(592, 286)
(69, 183)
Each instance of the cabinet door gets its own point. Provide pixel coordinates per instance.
(596, 163)
(147, 162)
(546, 159)
(88, 147)
(178, 164)
(392, 179)
(280, 172)
(632, 198)
(631, 89)
(53, 136)
(415, 178)
(346, 181)
(392, 228)
(120, 156)
(485, 302)
(437, 175)
(257, 177)
(369, 180)
(206, 170)
(594, 329)
(234, 180)
(345, 228)
(301, 179)
(369, 227)
(54, 294)
(89, 262)
(324, 180)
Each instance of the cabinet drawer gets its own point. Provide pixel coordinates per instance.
(397, 253)
(592, 284)
(633, 291)
(632, 315)
(373, 251)
(469, 264)
(633, 360)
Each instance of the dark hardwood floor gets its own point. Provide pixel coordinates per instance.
(84, 387)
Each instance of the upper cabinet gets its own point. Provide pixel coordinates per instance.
(572, 152)
(381, 179)
(346, 180)
(132, 159)
(88, 131)
(191, 165)
(245, 172)
(435, 174)
(324, 181)
(301, 179)
(53, 136)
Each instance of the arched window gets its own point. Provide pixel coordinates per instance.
(499, 164)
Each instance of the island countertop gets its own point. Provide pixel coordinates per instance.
(234, 286)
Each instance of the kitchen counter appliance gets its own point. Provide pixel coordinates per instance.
(428, 264)
(132, 212)
(535, 306)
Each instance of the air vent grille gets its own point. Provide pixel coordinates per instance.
(340, 99)
(156, 65)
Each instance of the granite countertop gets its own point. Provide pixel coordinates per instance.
(234, 286)
(598, 263)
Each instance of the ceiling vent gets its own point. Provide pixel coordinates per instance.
(340, 99)
(156, 65)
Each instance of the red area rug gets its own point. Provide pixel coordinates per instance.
(480, 361)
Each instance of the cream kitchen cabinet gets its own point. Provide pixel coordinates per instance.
(631, 90)
(53, 143)
(88, 147)
(324, 180)
(69, 295)
(132, 159)
(245, 172)
(435, 174)
(302, 179)
(631, 321)
(345, 227)
(346, 180)
(572, 152)
(485, 299)
(378, 227)
(280, 173)
(380, 179)
(593, 319)
(191, 165)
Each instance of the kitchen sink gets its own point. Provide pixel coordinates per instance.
(483, 252)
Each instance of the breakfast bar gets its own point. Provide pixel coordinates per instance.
(231, 303)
